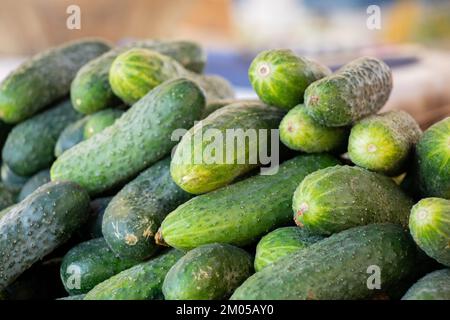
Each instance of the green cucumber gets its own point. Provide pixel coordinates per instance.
(433, 286)
(30, 145)
(358, 89)
(39, 179)
(429, 224)
(337, 268)
(7, 198)
(209, 272)
(89, 264)
(240, 213)
(138, 139)
(384, 142)
(101, 120)
(196, 169)
(298, 131)
(137, 71)
(141, 282)
(45, 78)
(11, 180)
(90, 90)
(337, 198)
(39, 224)
(72, 135)
(280, 78)
(281, 242)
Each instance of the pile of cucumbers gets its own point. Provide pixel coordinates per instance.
(102, 196)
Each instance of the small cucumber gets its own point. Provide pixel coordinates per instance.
(358, 89)
(72, 135)
(11, 180)
(100, 121)
(434, 286)
(39, 179)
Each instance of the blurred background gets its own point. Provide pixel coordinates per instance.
(412, 36)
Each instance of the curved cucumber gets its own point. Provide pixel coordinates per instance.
(39, 179)
(429, 224)
(337, 198)
(433, 286)
(100, 121)
(358, 89)
(209, 272)
(384, 142)
(72, 135)
(11, 180)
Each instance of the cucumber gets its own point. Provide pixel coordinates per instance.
(241, 213)
(90, 90)
(280, 78)
(11, 180)
(429, 224)
(358, 89)
(89, 264)
(434, 286)
(298, 131)
(36, 226)
(93, 227)
(138, 139)
(336, 268)
(281, 242)
(7, 198)
(214, 105)
(30, 145)
(195, 169)
(337, 198)
(141, 282)
(72, 135)
(432, 161)
(101, 120)
(137, 71)
(384, 142)
(39, 179)
(209, 272)
(45, 78)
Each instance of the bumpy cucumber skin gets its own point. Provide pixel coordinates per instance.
(36, 226)
(358, 89)
(100, 121)
(432, 161)
(36, 181)
(280, 78)
(433, 286)
(134, 215)
(429, 224)
(192, 168)
(336, 268)
(253, 207)
(72, 135)
(30, 145)
(7, 198)
(384, 142)
(95, 263)
(45, 78)
(337, 198)
(281, 242)
(209, 272)
(141, 282)
(138, 139)
(91, 91)
(298, 131)
(11, 180)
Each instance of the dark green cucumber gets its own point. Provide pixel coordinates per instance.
(209, 272)
(7, 197)
(141, 282)
(298, 131)
(93, 227)
(72, 135)
(434, 286)
(89, 264)
(99, 121)
(432, 161)
(281, 242)
(11, 180)
(358, 89)
(196, 169)
(39, 179)
(337, 268)
(241, 213)
(134, 215)
(137, 71)
(384, 142)
(280, 78)
(90, 90)
(36, 226)
(45, 78)
(429, 224)
(30, 145)
(138, 139)
(337, 198)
